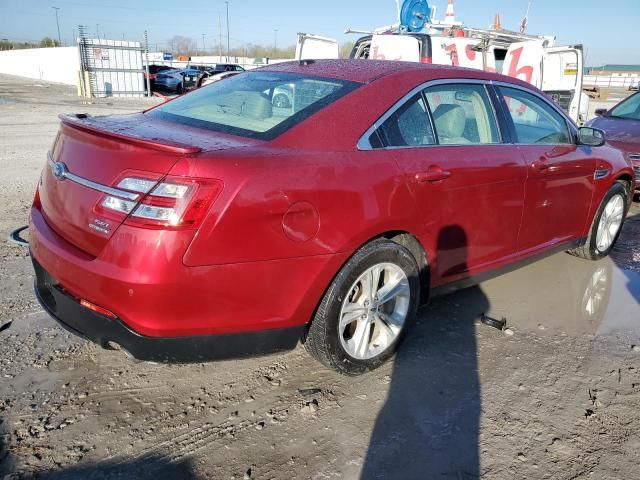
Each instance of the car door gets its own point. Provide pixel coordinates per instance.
(469, 186)
(562, 80)
(560, 173)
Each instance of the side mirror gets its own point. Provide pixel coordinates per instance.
(591, 137)
(601, 112)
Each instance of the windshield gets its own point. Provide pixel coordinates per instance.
(630, 108)
(258, 105)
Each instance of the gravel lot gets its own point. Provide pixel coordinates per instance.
(555, 396)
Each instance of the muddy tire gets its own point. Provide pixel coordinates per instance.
(366, 310)
(606, 226)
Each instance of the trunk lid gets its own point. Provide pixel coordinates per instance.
(92, 154)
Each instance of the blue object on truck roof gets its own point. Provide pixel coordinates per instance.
(414, 14)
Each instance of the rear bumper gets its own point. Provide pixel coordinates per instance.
(105, 331)
(140, 277)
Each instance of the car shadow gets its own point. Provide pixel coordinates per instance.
(6, 461)
(151, 467)
(429, 425)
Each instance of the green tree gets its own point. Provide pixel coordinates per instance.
(48, 42)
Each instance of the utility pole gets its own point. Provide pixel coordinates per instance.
(220, 42)
(203, 46)
(58, 25)
(228, 37)
(275, 42)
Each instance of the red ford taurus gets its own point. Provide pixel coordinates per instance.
(221, 224)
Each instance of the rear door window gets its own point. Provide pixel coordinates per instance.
(462, 114)
(534, 120)
(408, 126)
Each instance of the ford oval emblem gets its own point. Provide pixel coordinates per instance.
(59, 170)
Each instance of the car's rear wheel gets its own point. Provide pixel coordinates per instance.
(606, 225)
(367, 309)
(281, 101)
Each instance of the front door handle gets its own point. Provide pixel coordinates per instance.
(432, 175)
(541, 164)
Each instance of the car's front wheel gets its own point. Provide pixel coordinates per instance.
(366, 310)
(606, 225)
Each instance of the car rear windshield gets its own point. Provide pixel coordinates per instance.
(259, 105)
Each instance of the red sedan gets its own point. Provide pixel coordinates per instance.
(221, 224)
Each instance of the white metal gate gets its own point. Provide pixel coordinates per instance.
(111, 68)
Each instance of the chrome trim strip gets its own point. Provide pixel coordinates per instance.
(364, 144)
(67, 175)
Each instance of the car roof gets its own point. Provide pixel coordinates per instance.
(366, 71)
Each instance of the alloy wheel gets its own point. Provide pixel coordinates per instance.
(610, 222)
(374, 311)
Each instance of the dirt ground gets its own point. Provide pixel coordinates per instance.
(555, 396)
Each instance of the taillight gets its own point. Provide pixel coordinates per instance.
(36, 198)
(174, 202)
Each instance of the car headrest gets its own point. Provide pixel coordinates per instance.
(256, 105)
(450, 120)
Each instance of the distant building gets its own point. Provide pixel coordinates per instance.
(625, 71)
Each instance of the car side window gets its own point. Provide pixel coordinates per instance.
(535, 121)
(408, 126)
(462, 114)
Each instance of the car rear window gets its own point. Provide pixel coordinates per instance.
(258, 105)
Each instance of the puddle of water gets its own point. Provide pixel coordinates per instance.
(561, 294)
(626, 252)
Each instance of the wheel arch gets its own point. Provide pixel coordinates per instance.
(401, 237)
(627, 182)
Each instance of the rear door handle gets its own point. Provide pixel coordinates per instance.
(432, 175)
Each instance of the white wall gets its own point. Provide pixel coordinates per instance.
(59, 65)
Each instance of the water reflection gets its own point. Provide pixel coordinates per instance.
(559, 293)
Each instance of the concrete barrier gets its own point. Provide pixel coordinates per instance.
(59, 65)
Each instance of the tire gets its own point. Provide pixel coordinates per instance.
(281, 101)
(179, 89)
(590, 249)
(333, 343)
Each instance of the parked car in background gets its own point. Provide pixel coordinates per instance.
(216, 225)
(634, 86)
(622, 126)
(225, 67)
(178, 80)
(153, 72)
(216, 78)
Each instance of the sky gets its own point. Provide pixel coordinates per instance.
(604, 28)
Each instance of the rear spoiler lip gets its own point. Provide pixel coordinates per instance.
(75, 121)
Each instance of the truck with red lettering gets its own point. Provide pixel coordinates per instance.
(558, 71)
